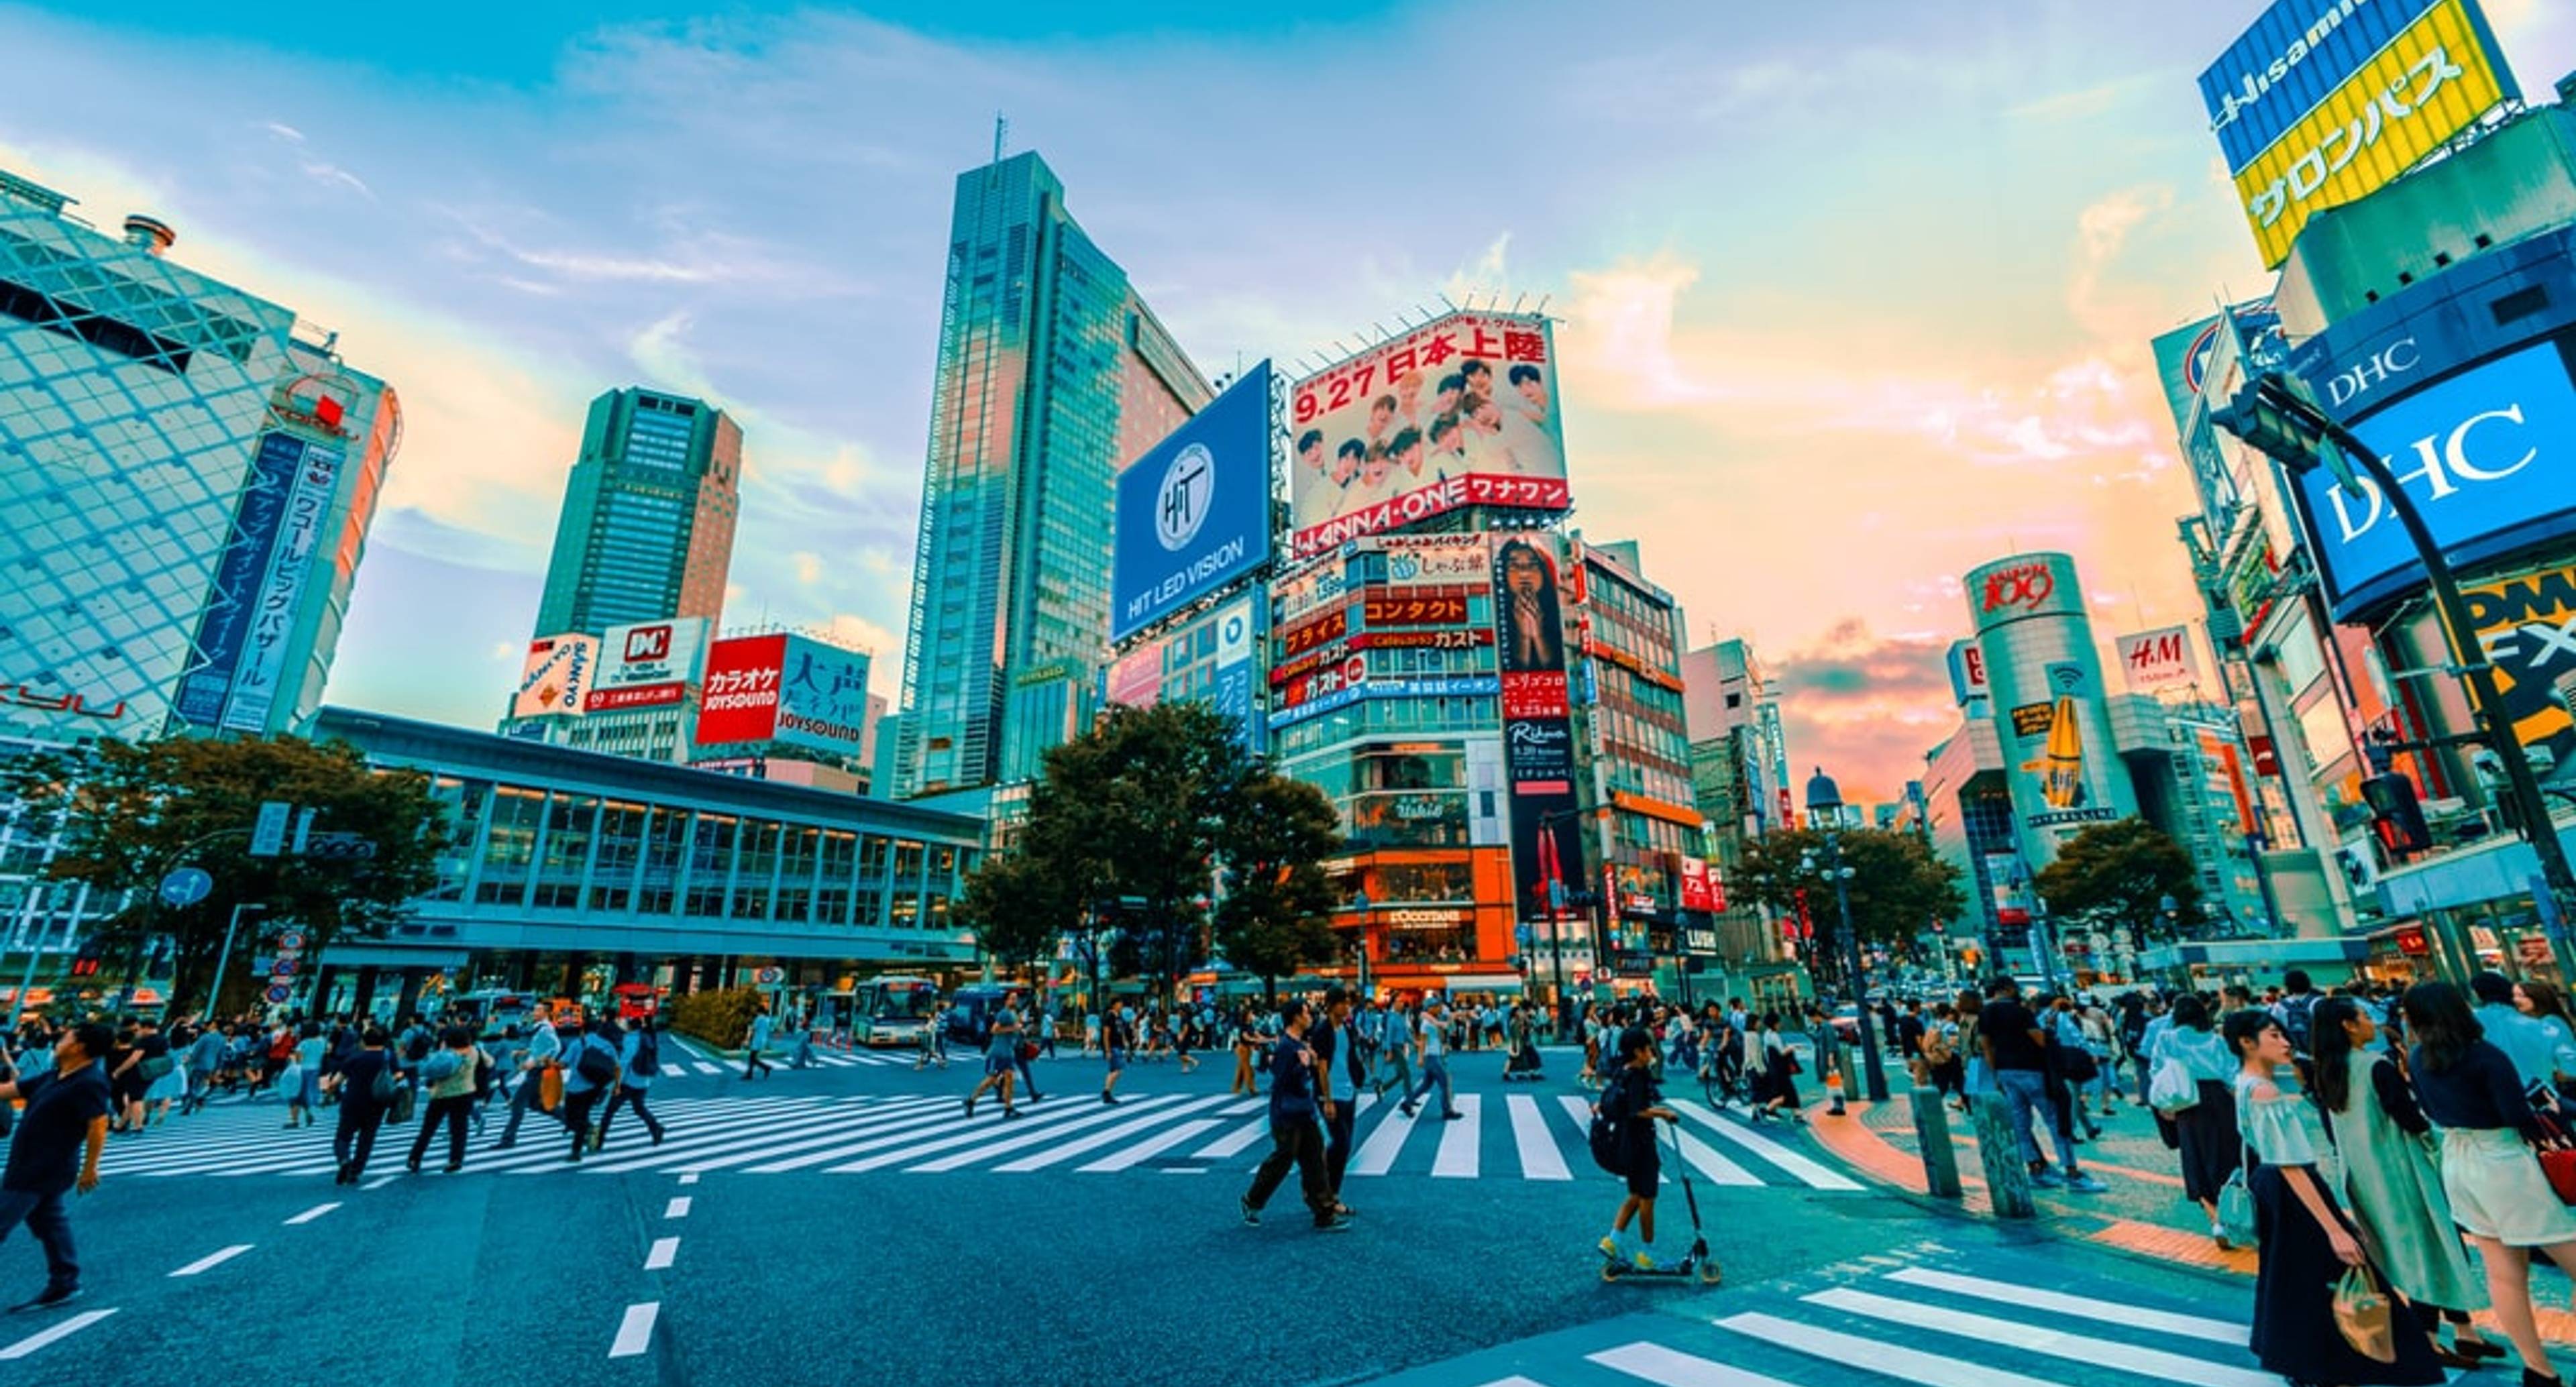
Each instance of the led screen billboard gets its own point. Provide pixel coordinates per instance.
(1193, 513)
(2527, 628)
(1461, 411)
(2325, 101)
(2487, 454)
(1538, 731)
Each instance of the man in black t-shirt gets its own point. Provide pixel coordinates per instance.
(2017, 1055)
(56, 1150)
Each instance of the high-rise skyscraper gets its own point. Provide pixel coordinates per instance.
(1052, 373)
(188, 486)
(648, 515)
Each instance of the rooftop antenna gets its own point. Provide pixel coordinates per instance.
(1518, 301)
(1542, 303)
(1001, 135)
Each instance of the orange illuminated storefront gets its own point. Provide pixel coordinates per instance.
(1438, 918)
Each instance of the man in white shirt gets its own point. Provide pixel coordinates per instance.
(1432, 1046)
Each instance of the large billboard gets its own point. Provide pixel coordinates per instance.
(1461, 411)
(556, 676)
(1538, 730)
(2062, 767)
(301, 540)
(2325, 101)
(784, 688)
(1194, 512)
(740, 701)
(1208, 658)
(2527, 628)
(2488, 455)
(2158, 661)
(648, 664)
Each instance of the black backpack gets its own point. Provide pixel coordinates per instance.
(648, 1055)
(416, 1049)
(1609, 1133)
(2298, 1020)
(595, 1064)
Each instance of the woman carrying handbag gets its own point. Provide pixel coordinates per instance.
(2498, 1194)
(2204, 1130)
(2389, 1179)
(2307, 1244)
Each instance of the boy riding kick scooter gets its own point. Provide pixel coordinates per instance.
(1623, 1142)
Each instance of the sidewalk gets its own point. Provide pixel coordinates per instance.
(2143, 1213)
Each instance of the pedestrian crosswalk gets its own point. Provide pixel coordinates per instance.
(761, 1131)
(1928, 1315)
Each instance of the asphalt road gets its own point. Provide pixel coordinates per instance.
(705, 1268)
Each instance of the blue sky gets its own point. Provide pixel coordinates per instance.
(1854, 296)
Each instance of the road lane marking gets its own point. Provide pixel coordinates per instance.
(1894, 1360)
(381, 1181)
(1540, 1159)
(690, 1178)
(212, 1260)
(1047, 1128)
(2032, 1338)
(1377, 1155)
(677, 1208)
(313, 1213)
(635, 1332)
(65, 1330)
(1153, 1146)
(1457, 1157)
(2081, 1307)
(664, 1249)
(1812, 1174)
(1672, 1368)
(1071, 1149)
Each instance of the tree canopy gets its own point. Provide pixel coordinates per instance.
(1898, 885)
(131, 813)
(2119, 874)
(1278, 906)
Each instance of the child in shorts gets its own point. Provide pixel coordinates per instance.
(1635, 1105)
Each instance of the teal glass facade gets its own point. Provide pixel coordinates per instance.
(188, 484)
(1052, 374)
(648, 515)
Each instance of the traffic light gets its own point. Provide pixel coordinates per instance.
(2397, 817)
(2266, 428)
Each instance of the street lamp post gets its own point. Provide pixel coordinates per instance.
(2277, 420)
(215, 994)
(1824, 808)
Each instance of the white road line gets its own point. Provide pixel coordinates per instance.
(664, 1249)
(212, 1260)
(690, 1178)
(1075, 1148)
(1540, 1160)
(1457, 1157)
(835, 1141)
(1872, 1356)
(2081, 1307)
(677, 1208)
(1814, 1175)
(1151, 1147)
(65, 1330)
(1672, 1368)
(1013, 1139)
(729, 1124)
(380, 1182)
(1376, 1155)
(1515, 1380)
(635, 1332)
(1705, 1159)
(1236, 1141)
(2039, 1339)
(311, 1214)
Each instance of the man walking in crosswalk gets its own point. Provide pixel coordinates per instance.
(1295, 1137)
(1432, 1047)
(1339, 1069)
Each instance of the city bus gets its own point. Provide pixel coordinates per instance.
(893, 1010)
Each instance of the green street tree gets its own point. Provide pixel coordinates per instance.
(2119, 874)
(1015, 908)
(1130, 810)
(1277, 913)
(1898, 886)
(131, 813)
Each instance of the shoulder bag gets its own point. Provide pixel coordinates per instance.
(2236, 1202)
(2362, 1316)
(385, 1085)
(400, 1111)
(2557, 1158)
(2173, 1091)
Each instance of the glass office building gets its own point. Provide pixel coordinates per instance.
(189, 487)
(648, 515)
(1052, 373)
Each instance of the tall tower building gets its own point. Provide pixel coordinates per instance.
(1052, 373)
(188, 485)
(647, 527)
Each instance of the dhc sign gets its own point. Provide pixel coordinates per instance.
(2489, 457)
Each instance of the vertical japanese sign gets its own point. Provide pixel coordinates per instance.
(232, 599)
(740, 701)
(1538, 731)
(300, 535)
(1461, 411)
(1232, 690)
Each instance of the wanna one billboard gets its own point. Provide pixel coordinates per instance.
(1461, 411)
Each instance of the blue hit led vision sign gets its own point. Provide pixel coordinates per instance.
(1194, 511)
